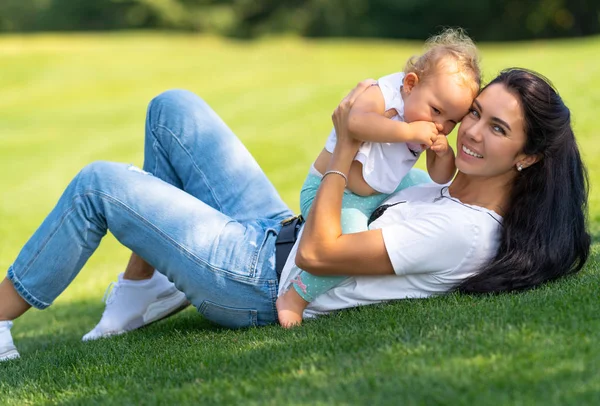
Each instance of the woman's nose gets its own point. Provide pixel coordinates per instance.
(474, 132)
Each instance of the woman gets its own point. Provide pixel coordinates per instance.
(513, 218)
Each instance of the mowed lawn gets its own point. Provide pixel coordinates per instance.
(67, 100)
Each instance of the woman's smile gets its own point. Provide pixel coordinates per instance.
(471, 152)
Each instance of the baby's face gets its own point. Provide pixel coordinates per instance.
(441, 98)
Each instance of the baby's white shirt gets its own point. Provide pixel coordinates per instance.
(385, 164)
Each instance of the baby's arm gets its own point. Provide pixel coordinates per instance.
(440, 161)
(367, 122)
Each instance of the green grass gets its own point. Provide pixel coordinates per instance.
(67, 100)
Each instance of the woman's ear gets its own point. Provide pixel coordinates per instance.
(410, 81)
(529, 160)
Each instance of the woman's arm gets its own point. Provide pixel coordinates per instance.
(323, 249)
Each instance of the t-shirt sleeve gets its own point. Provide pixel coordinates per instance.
(388, 94)
(331, 141)
(390, 89)
(428, 244)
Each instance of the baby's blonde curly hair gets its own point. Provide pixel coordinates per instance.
(452, 44)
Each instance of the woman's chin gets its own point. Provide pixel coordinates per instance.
(468, 168)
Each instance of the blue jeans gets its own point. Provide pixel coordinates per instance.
(202, 212)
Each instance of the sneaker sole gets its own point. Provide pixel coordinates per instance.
(167, 306)
(10, 354)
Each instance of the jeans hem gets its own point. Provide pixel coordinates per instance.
(24, 293)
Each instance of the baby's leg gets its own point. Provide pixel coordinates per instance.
(306, 287)
(355, 216)
(356, 211)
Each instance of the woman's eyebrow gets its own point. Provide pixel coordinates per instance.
(496, 119)
(504, 123)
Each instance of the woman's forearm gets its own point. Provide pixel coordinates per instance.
(323, 225)
(323, 249)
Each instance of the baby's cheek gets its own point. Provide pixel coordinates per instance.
(448, 128)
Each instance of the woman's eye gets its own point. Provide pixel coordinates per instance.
(436, 111)
(498, 129)
(474, 112)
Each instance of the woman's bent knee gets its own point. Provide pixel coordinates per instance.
(178, 100)
(97, 169)
(105, 177)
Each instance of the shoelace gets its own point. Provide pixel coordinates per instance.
(110, 294)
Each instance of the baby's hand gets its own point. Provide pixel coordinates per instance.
(423, 132)
(440, 146)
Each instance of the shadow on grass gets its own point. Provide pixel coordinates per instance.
(533, 347)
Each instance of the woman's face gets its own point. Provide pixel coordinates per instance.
(491, 136)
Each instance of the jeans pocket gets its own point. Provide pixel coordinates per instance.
(230, 317)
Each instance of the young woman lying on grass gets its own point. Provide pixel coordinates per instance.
(207, 218)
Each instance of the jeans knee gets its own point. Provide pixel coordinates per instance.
(91, 173)
(174, 100)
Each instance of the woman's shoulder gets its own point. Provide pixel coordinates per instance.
(428, 232)
(437, 196)
(429, 206)
(423, 192)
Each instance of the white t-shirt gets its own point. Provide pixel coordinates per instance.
(385, 164)
(434, 241)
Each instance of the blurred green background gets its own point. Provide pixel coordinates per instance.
(486, 20)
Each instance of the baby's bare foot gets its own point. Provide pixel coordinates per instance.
(290, 307)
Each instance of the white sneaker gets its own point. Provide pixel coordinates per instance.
(134, 304)
(7, 347)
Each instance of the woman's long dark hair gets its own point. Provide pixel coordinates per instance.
(544, 234)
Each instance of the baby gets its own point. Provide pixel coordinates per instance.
(425, 102)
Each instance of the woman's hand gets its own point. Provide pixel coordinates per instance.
(342, 112)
